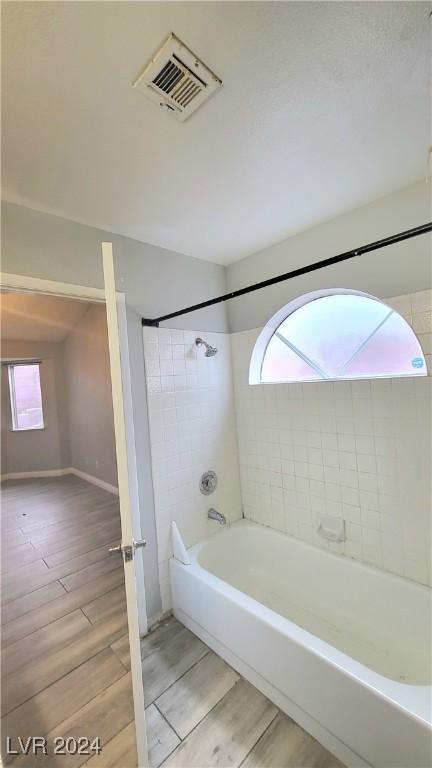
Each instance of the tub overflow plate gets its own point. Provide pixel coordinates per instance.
(208, 482)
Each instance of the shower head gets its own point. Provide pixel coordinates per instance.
(210, 351)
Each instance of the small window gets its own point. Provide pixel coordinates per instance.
(25, 396)
(336, 335)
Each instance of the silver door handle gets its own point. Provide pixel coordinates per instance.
(128, 550)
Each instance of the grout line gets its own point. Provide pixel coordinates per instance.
(260, 737)
(169, 755)
(204, 717)
(71, 610)
(240, 679)
(101, 650)
(103, 545)
(80, 608)
(118, 656)
(98, 597)
(180, 677)
(168, 722)
(45, 626)
(83, 706)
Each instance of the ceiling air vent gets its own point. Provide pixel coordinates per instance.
(177, 80)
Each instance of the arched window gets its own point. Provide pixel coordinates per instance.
(335, 334)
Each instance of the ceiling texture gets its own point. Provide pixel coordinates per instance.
(324, 107)
(34, 317)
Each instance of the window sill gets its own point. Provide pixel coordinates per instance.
(27, 429)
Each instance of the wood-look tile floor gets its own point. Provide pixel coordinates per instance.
(63, 619)
(200, 712)
(65, 652)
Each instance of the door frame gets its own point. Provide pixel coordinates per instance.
(125, 448)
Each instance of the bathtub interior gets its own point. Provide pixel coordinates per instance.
(381, 620)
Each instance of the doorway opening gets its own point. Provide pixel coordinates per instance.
(65, 641)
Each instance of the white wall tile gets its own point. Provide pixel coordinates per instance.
(358, 449)
(192, 429)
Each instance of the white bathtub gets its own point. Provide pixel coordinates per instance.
(342, 648)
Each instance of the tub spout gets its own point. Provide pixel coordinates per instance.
(213, 514)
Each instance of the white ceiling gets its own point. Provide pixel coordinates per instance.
(29, 317)
(324, 107)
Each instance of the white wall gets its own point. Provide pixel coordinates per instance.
(359, 450)
(89, 397)
(402, 268)
(192, 428)
(36, 450)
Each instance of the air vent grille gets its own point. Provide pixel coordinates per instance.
(168, 77)
(177, 80)
(178, 84)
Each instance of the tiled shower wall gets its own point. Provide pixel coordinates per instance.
(360, 450)
(192, 429)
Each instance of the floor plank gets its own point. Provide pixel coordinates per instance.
(32, 601)
(121, 648)
(71, 574)
(285, 745)
(159, 637)
(32, 678)
(192, 697)
(104, 717)
(54, 552)
(12, 538)
(17, 557)
(99, 543)
(119, 752)
(39, 715)
(60, 673)
(163, 666)
(161, 739)
(103, 606)
(27, 574)
(62, 605)
(229, 731)
(83, 575)
(59, 530)
(42, 641)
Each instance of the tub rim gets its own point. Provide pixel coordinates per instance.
(419, 706)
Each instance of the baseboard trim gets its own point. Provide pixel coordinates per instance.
(59, 473)
(37, 473)
(94, 480)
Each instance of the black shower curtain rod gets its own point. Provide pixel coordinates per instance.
(406, 235)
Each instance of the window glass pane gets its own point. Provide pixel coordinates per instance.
(282, 364)
(392, 351)
(330, 329)
(342, 336)
(28, 399)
